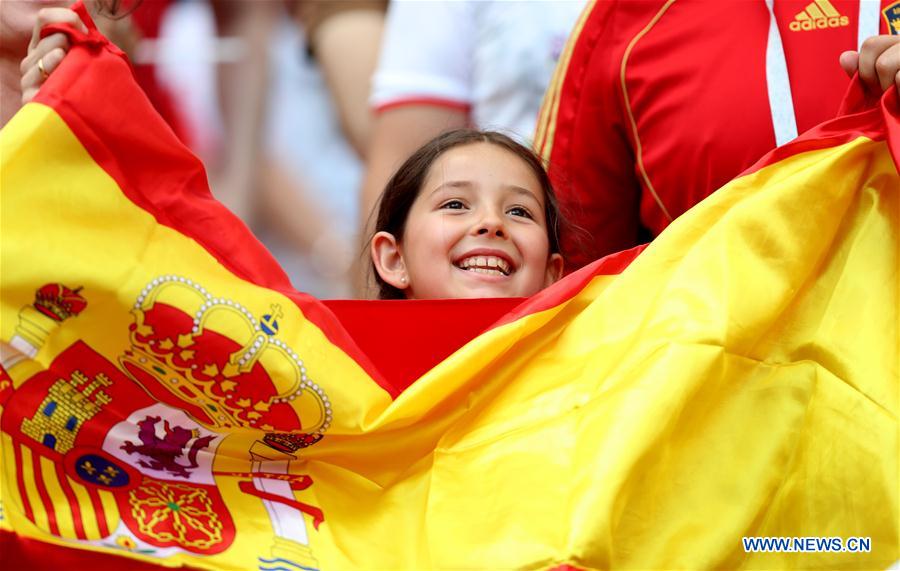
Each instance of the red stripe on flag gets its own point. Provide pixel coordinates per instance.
(42, 491)
(564, 290)
(25, 553)
(20, 481)
(72, 500)
(98, 509)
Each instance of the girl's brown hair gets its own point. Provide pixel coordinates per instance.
(403, 188)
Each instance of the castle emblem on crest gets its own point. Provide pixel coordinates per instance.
(67, 406)
(212, 358)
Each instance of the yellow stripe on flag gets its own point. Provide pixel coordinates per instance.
(57, 498)
(644, 413)
(110, 509)
(9, 489)
(88, 516)
(30, 479)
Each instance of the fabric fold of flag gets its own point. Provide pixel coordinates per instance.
(168, 397)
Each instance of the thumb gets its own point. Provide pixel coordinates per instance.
(850, 62)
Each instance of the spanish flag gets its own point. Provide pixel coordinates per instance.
(726, 399)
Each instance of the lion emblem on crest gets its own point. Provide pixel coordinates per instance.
(164, 452)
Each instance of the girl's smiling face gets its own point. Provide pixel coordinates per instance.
(476, 229)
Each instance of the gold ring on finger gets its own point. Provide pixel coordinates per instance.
(43, 71)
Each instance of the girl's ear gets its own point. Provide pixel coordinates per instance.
(554, 269)
(388, 260)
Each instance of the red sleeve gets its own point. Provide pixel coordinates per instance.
(583, 136)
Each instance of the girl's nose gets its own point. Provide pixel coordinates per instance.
(491, 224)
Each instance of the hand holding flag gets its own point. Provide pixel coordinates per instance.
(877, 62)
(46, 51)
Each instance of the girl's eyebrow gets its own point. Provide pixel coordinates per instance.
(524, 191)
(468, 184)
(452, 184)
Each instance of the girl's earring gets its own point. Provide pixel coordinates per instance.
(403, 279)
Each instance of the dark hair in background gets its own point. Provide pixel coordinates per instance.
(403, 188)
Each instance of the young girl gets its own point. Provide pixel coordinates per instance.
(470, 214)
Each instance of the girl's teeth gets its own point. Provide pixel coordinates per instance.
(486, 271)
(486, 264)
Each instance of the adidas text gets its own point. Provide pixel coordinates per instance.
(820, 23)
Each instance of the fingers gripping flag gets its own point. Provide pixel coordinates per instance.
(167, 397)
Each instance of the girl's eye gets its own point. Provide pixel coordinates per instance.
(519, 211)
(453, 205)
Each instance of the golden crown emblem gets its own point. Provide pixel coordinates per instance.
(219, 362)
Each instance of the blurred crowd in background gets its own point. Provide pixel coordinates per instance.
(244, 88)
(277, 98)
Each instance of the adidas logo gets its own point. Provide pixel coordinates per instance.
(818, 15)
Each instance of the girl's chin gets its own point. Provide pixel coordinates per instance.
(482, 290)
(466, 284)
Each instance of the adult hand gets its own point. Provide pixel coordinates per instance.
(878, 63)
(45, 55)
